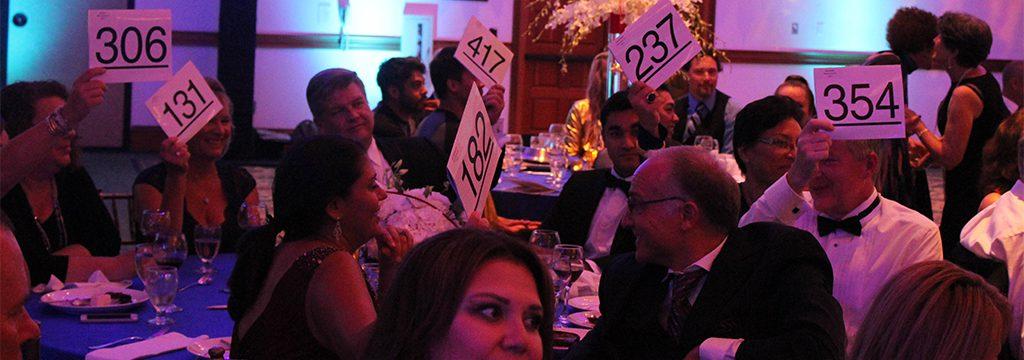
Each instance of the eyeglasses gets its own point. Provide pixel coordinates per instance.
(635, 205)
(778, 143)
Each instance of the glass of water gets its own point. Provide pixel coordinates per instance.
(145, 256)
(207, 245)
(161, 286)
(153, 222)
(559, 166)
(513, 154)
(707, 142)
(543, 243)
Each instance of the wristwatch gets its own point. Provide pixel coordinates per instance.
(56, 125)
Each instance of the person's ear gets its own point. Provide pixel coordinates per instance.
(689, 214)
(393, 92)
(335, 208)
(871, 164)
(453, 85)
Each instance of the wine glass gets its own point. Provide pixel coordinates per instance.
(543, 243)
(251, 216)
(559, 166)
(207, 244)
(707, 142)
(567, 263)
(513, 154)
(145, 256)
(153, 222)
(161, 286)
(171, 250)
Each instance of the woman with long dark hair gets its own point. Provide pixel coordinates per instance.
(307, 297)
(467, 294)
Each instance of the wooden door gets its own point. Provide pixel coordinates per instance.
(541, 93)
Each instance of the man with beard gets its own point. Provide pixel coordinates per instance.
(705, 110)
(405, 101)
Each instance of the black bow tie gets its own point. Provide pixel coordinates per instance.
(615, 182)
(851, 225)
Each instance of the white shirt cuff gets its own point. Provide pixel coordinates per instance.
(719, 348)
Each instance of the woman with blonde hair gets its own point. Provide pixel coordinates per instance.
(934, 310)
(583, 125)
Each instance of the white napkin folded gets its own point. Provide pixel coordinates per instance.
(588, 283)
(53, 285)
(164, 343)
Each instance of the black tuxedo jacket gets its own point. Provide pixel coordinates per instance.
(574, 211)
(771, 285)
(422, 158)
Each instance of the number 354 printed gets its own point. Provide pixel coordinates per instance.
(183, 105)
(863, 102)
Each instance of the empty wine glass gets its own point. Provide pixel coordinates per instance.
(161, 286)
(559, 166)
(567, 263)
(207, 244)
(153, 222)
(145, 256)
(543, 243)
(251, 216)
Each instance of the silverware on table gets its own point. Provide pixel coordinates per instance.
(128, 339)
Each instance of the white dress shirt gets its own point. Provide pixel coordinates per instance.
(610, 211)
(892, 238)
(711, 348)
(380, 165)
(998, 233)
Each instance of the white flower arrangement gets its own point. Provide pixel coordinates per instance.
(423, 212)
(581, 17)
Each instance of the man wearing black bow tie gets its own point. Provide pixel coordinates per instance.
(867, 237)
(593, 203)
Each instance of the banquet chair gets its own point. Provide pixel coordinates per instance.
(118, 201)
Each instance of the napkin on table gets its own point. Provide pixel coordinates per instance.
(164, 343)
(53, 285)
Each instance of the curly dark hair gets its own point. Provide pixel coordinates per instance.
(968, 35)
(911, 30)
(445, 67)
(396, 71)
(999, 168)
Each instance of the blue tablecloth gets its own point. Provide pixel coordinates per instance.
(513, 202)
(65, 337)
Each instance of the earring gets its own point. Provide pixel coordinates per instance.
(338, 236)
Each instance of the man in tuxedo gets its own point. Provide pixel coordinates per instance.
(698, 287)
(592, 203)
(867, 237)
(705, 110)
(404, 95)
(337, 99)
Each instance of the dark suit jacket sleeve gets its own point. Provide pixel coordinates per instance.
(614, 285)
(561, 217)
(811, 324)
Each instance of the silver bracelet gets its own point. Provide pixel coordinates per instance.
(56, 125)
(920, 134)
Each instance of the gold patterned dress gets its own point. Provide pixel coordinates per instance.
(584, 132)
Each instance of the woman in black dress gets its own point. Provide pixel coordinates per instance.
(62, 226)
(307, 298)
(193, 186)
(967, 118)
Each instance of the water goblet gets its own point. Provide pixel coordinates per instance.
(567, 263)
(153, 222)
(145, 256)
(513, 154)
(161, 286)
(171, 250)
(207, 244)
(251, 216)
(543, 243)
(707, 142)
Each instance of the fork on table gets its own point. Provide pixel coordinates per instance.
(127, 339)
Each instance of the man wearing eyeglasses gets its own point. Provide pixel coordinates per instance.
(701, 287)
(867, 237)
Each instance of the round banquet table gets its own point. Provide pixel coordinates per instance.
(65, 337)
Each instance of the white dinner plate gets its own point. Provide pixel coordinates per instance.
(580, 318)
(586, 302)
(202, 348)
(121, 284)
(61, 299)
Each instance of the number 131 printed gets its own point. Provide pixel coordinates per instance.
(183, 105)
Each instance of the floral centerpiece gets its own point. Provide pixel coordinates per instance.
(581, 17)
(423, 212)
